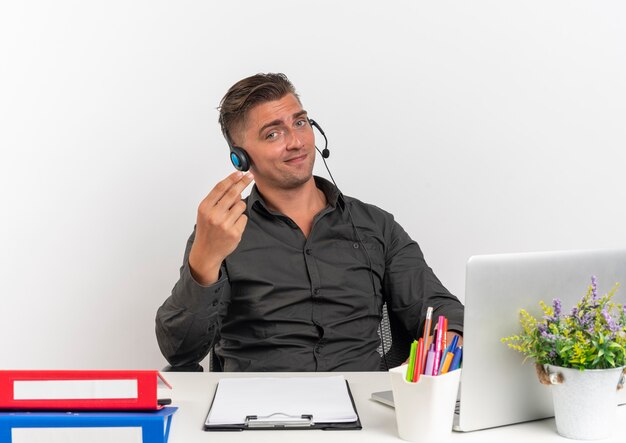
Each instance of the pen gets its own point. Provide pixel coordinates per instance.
(449, 350)
(438, 343)
(418, 360)
(445, 366)
(429, 360)
(409, 371)
(445, 334)
(453, 345)
(456, 361)
(426, 335)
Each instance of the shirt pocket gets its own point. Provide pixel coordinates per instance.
(361, 265)
(367, 250)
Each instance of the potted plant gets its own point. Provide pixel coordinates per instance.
(582, 355)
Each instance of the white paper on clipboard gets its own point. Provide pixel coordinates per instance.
(326, 399)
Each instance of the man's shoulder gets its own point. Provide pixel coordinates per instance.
(369, 210)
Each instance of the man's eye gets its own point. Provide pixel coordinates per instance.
(271, 135)
(301, 123)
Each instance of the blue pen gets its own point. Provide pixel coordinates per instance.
(455, 341)
(456, 361)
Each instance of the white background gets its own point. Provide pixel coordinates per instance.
(484, 126)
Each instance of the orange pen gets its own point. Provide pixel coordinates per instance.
(446, 363)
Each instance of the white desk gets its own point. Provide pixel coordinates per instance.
(193, 393)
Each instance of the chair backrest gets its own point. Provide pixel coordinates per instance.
(215, 364)
(395, 342)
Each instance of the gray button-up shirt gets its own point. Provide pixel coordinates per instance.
(285, 302)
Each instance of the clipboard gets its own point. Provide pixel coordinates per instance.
(277, 420)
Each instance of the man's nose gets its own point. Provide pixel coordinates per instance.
(294, 140)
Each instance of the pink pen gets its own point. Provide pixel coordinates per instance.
(438, 345)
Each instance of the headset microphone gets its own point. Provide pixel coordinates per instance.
(325, 153)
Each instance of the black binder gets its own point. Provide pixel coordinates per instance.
(280, 421)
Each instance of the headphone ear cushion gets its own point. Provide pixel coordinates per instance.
(239, 159)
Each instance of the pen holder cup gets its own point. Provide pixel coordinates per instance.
(424, 410)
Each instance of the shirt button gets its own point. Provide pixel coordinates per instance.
(355, 245)
(308, 251)
(316, 291)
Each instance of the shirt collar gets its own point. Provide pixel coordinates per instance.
(333, 195)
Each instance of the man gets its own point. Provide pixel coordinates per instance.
(294, 277)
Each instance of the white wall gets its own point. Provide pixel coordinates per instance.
(484, 126)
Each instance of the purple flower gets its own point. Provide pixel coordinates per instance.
(610, 321)
(545, 334)
(552, 354)
(556, 304)
(585, 320)
(594, 288)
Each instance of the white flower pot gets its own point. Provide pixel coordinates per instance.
(585, 402)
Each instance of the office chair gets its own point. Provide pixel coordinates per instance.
(397, 342)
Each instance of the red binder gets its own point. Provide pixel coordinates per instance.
(80, 390)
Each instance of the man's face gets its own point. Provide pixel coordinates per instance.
(279, 139)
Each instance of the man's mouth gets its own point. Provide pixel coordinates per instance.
(296, 159)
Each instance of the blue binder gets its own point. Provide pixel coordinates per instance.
(155, 425)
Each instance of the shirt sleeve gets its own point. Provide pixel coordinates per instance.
(410, 286)
(187, 323)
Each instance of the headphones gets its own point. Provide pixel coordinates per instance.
(241, 160)
(238, 157)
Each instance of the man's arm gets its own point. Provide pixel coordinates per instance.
(410, 286)
(188, 322)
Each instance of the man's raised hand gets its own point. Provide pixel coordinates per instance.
(219, 227)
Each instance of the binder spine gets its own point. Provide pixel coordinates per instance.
(145, 397)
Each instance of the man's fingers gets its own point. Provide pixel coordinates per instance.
(241, 222)
(235, 212)
(218, 192)
(233, 195)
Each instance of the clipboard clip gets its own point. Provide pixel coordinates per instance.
(279, 420)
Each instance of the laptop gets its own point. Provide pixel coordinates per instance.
(496, 388)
